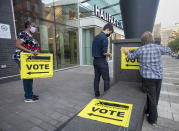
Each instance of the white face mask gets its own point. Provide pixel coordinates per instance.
(32, 29)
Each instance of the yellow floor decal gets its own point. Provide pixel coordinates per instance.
(108, 112)
(40, 66)
(126, 63)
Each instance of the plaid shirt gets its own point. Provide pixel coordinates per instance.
(150, 61)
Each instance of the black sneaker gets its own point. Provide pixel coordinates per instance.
(35, 96)
(151, 122)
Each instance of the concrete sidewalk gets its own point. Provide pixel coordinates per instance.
(168, 108)
(61, 97)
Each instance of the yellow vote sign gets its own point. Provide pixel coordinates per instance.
(126, 63)
(108, 112)
(39, 66)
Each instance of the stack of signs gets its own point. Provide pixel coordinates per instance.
(126, 63)
(39, 66)
(108, 112)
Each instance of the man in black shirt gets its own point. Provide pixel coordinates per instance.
(99, 52)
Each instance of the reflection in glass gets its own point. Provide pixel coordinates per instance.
(56, 38)
(67, 46)
(66, 12)
(88, 36)
(85, 10)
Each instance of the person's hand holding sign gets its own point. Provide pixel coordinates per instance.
(35, 53)
(125, 50)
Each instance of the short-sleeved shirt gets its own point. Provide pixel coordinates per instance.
(29, 42)
(150, 61)
(100, 45)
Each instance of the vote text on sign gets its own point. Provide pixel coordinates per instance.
(39, 66)
(126, 63)
(108, 112)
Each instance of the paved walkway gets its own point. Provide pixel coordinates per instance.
(61, 97)
(168, 108)
(64, 95)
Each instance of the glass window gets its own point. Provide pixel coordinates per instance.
(67, 46)
(36, 8)
(16, 3)
(46, 37)
(56, 38)
(88, 36)
(66, 12)
(46, 9)
(97, 31)
(28, 6)
(85, 10)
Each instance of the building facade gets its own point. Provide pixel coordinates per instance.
(66, 29)
(169, 34)
(157, 33)
(166, 35)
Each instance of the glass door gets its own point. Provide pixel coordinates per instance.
(88, 36)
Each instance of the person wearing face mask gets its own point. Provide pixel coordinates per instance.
(99, 53)
(26, 43)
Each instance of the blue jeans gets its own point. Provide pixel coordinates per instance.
(101, 68)
(27, 84)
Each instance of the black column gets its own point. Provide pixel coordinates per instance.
(138, 16)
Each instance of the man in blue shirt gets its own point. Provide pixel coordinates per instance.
(99, 53)
(150, 63)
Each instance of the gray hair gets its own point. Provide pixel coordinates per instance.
(147, 38)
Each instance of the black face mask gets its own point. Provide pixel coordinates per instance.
(108, 35)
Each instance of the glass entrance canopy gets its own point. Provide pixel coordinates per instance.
(110, 6)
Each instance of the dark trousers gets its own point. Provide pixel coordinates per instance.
(101, 68)
(27, 84)
(152, 88)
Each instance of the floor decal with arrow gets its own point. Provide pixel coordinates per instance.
(111, 112)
